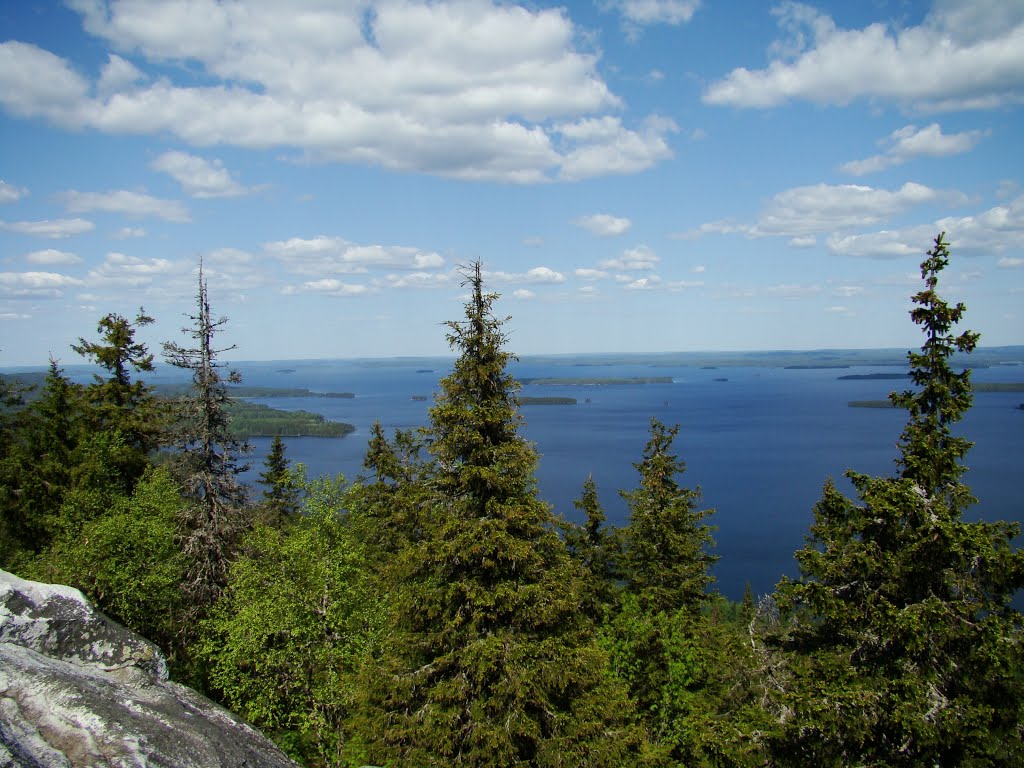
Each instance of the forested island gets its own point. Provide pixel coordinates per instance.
(437, 612)
(545, 400)
(259, 420)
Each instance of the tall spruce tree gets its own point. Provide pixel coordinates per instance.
(664, 646)
(491, 661)
(280, 503)
(905, 647)
(207, 462)
(119, 404)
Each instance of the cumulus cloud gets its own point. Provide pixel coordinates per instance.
(964, 54)
(200, 177)
(802, 213)
(334, 255)
(993, 231)
(55, 229)
(647, 12)
(126, 202)
(1010, 262)
(52, 256)
(604, 146)
(38, 285)
(637, 259)
(469, 90)
(119, 270)
(328, 286)
(604, 225)
(535, 275)
(523, 294)
(909, 142)
(10, 193)
(591, 274)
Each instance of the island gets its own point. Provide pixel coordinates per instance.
(979, 387)
(546, 400)
(871, 376)
(258, 420)
(595, 381)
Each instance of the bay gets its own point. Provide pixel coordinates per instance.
(759, 444)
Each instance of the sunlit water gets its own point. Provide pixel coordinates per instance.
(759, 445)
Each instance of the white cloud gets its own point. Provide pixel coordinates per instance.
(469, 90)
(119, 270)
(10, 193)
(126, 202)
(910, 142)
(125, 233)
(52, 256)
(604, 146)
(417, 280)
(647, 12)
(591, 274)
(200, 177)
(55, 229)
(603, 224)
(523, 294)
(965, 54)
(117, 75)
(535, 275)
(993, 231)
(643, 283)
(802, 213)
(328, 286)
(40, 285)
(636, 259)
(334, 255)
(1010, 262)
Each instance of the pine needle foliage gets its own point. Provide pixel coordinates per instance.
(905, 646)
(492, 662)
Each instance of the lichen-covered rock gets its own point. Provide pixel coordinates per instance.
(77, 689)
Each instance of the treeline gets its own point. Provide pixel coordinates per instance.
(437, 612)
(260, 420)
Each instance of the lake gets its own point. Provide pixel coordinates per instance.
(759, 444)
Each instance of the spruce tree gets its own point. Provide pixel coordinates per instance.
(491, 661)
(118, 404)
(207, 462)
(280, 501)
(595, 548)
(905, 648)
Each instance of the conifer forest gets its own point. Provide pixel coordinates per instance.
(436, 610)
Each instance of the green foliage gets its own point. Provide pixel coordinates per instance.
(118, 403)
(490, 660)
(905, 648)
(36, 469)
(260, 420)
(124, 557)
(666, 545)
(281, 494)
(596, 549)
(297, 618)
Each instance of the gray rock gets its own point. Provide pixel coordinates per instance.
(77, 689)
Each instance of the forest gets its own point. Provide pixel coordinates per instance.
(436, 611)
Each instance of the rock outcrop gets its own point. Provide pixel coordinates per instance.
(77, 689)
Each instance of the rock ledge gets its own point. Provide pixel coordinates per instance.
(77, 689)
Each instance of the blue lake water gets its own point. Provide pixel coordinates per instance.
(759, 445)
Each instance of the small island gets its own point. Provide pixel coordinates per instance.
(546, 400)
(258, 420)
(595, 381)
(871, 376)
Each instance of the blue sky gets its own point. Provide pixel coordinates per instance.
(635, 175)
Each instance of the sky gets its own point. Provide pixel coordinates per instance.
(634, 175)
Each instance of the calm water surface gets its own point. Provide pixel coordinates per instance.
(759, 445)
